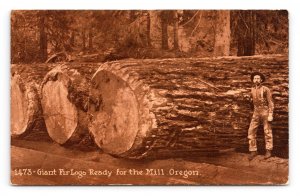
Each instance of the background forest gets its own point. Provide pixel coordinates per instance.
(97, 36)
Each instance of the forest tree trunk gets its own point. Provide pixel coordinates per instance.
(164, 30)
(148, 31)
(222, 33)
(155, 29)
(246, 33)
(43, 36)
(83, 39)
(175, 30)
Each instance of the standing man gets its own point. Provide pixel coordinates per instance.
(263, 112)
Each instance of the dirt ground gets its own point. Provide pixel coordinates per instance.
(47, 163)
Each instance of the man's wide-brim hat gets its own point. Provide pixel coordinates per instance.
(258, 74)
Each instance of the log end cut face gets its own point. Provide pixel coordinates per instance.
(115, 122)
(60, 114)
(19, 107)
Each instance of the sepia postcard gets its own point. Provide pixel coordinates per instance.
(149, 97)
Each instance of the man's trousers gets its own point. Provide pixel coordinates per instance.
(260, 115)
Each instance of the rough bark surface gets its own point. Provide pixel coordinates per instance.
(183, 105)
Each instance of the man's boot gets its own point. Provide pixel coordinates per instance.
(252, 155)
(268, 154)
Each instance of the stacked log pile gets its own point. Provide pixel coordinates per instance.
(163, 107)
(51, 100)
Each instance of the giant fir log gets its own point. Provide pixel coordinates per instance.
(173, 107)
(26, 112)
(64, 100)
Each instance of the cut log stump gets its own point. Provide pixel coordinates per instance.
(173, 107)
(24, 106)
(64, 99)
(26, 112)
